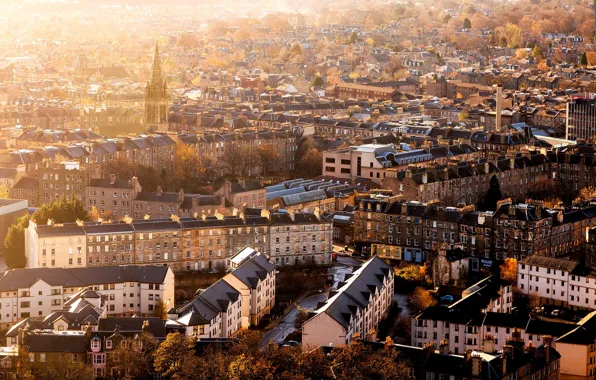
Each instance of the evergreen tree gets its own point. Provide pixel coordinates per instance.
(14, 244)
(318, 81)
(584, 60)
(537, 53)
(467, 23)
(353, 38)
(493, 195)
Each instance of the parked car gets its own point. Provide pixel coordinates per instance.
(556, 313)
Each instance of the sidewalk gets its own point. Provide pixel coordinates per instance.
(289, 309)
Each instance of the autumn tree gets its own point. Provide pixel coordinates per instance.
(521, 53)
(509, 270)
(268, 157)
(61, 367)
(421, 299)
(23, 364)
(174, 356)
(467, 23)
(537, 53)
(296, 49)
(513, 35)
(189, 169)
(134, 362)
(3, 191)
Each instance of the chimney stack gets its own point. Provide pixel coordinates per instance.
(499, 106)
(444, 347)
(112, 179)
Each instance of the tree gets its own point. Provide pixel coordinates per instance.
(421, 299)
(513, 35)
(317, 81)
(61, 367)
(537, 53)
(160, 310)
(23, 364)
(173, 356)
(584, 59)
(521, 53)
(134, 364)
(509, 270)
(296, 49)
(268, 157)
(353, 38)
(3, 191)
(14, 244)
(467, 23)
(189, 168)
(463, 115)
(543, 66)
(493, 194)
(311, 163)
(61, 210)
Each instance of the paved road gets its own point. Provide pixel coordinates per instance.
(279, 333)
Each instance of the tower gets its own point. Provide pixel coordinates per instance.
(156, 94)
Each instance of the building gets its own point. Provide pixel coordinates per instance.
(64, 179)
(300, 238)
(361, 301)
(577, 350)
(558, 281)
(581, 119)
(243, 193)
(112, 196)
(127, 290)
(10, 211)
(156, 95)
(55, 245)
(254, 278)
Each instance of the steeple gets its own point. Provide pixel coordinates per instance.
(156, 77)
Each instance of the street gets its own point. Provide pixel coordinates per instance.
(279, 333)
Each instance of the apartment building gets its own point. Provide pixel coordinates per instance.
(467, 181)
(127, 290)
(214, 313)
(109, 244)
(157, 241)
(407, 230)
(558, 281)
(254, 278)
(55, 245)
(300, 238)
(113, 195)
(360, 302)
(162, 205)
(63, 179)
(581, 119)
(243, 193)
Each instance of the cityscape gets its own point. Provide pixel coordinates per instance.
(292, 189)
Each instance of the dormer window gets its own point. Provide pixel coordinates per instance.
(95, 344)
(108, 344)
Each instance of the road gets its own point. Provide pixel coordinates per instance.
(279, 333)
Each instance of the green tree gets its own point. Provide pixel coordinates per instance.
(14, 244)
(493, 194)
(537, 53)
(61, 210)
(467, 23)
(584, 59)
(317, 81)
(353, 38)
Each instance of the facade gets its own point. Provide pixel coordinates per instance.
(300, 238)
(128, 290)
(113, 195)
(255, 280)
(361, 301)
(183, 244)
(244, 193)
(557, 281)
(64, 179)
(581, 119)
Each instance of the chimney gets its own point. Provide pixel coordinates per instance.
(486, 167)
(547, 339)
(261, 181)
(408, 173)
(112, 179)
(227, 188)
(242, 182)
(159, 191)
(504, 361)
(181, 196)
(444, 347)
(424, 177)
(489, 344)
(499, 106)
(476, 365)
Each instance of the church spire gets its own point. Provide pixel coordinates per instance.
(156, 77)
